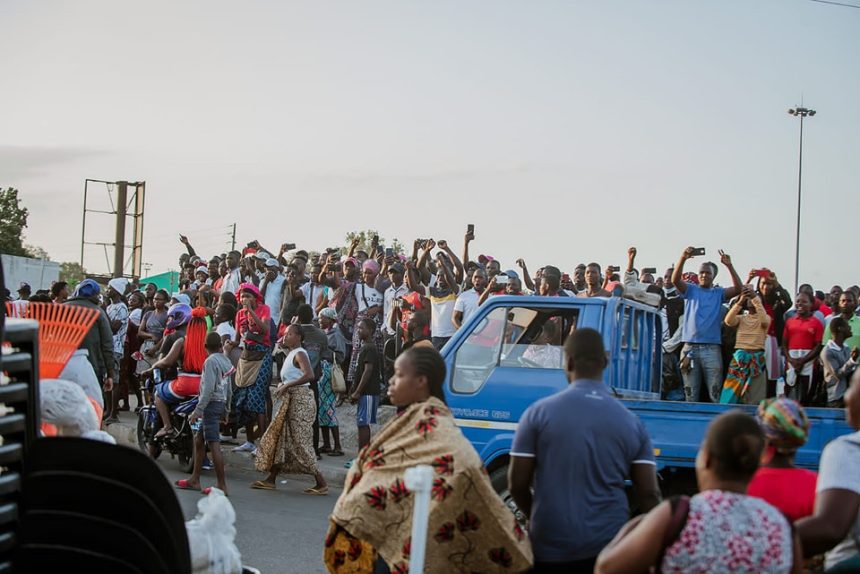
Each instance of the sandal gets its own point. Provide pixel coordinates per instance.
(317, 491)
(183, 484)
(262, 485)
(335, 452)
(208, 490)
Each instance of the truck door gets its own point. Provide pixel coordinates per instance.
(511, 358)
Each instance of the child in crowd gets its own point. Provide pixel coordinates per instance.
(212, 406)
(839, 362)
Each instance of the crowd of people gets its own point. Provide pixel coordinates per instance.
(273, 341)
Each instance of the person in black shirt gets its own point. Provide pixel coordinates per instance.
(365, 390)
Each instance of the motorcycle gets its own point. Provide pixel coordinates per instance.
(180, 444)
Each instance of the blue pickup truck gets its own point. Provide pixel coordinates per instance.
(510, 354)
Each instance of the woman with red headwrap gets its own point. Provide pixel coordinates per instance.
(255, 364)
(187, 354)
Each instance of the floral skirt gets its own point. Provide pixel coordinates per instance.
(288, 442)
(745, 381)
(250, 401)
(327, 414)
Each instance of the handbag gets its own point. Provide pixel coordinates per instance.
(249, 367)
(338, 381)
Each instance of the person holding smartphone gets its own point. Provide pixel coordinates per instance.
(702, 356)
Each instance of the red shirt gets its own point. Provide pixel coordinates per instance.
(791, 490)
(244, 325)
(802, 333)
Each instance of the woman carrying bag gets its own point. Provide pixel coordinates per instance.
(255, 364)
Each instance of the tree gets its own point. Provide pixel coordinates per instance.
(13, 220)
(36, 252)
(366, 237)
(71, 272)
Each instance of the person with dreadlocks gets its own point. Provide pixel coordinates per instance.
(778, 481)
(187, 354)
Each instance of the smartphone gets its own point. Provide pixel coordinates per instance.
(376, 240)
(698, 251)
(502, 279)
(289, 246)
(763, 273)
(613, 269)
(470, 229)
(651, 270)
(389, 252)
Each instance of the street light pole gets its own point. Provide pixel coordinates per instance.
(801, 113)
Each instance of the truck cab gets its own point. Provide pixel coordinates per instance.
(510, 354)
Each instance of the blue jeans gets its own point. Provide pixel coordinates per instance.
(439, 342)
(706, 368)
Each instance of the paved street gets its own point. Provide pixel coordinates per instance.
(277, 532)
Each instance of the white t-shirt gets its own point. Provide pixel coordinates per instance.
(467, 303)
(231, 281)
(372, 297)
(314, 294)
(442, 315)
(391, 294)
(118, 312)
(226, 328)
(840, 468)
(135, 316)
(274, 296)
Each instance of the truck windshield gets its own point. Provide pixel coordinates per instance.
(518, 337)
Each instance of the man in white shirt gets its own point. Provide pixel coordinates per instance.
(234, 273)
(117, 312)
(467, 302)
(272, 289)
(396, 291)
(316, 295)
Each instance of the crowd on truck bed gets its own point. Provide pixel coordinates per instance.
(272, 341)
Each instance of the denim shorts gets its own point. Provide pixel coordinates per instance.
(211, 426)
(365, 415)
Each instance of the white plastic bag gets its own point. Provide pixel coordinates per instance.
(65, 405)
(212, 535)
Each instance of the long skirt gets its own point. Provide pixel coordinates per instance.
(288, 441)
(250, 401)
(327, 415)
(745, 381)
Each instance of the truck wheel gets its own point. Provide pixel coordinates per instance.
(499, 480)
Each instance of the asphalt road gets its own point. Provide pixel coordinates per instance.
(278, 531)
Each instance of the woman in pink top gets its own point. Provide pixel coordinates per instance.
(721, 529)
(778, 481)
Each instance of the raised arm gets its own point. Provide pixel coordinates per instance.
(449, 275)
(458, 265)
(527, 278)
(678, 272)
(737, 284)
(187, 244)
(631, 259)
(469, 237)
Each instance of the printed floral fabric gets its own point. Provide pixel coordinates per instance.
(730, 532)
(288, 440)
(470, 529)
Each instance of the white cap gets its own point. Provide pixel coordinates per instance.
(272, 262)
(119, 284)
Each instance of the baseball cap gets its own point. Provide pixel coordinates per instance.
(272, 262)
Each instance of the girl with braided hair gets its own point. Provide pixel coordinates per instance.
(188, 354)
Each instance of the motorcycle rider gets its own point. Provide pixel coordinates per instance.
(187, 354)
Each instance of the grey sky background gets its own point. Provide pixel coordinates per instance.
(565, 131)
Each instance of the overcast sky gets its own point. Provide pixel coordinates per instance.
(565, 131)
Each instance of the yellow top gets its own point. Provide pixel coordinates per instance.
(752, 327)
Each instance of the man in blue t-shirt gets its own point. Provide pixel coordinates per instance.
(702, 356)
(578, 447)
